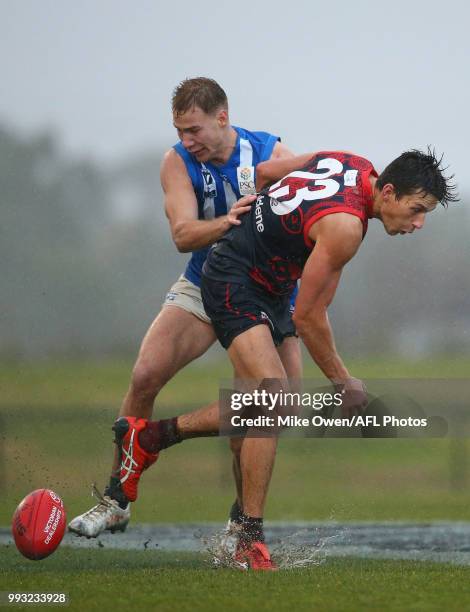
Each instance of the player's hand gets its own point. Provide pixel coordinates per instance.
(240, 207)
(354, 396)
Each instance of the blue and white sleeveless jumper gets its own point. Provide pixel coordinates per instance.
(217, 188)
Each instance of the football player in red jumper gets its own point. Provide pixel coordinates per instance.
(308, 225)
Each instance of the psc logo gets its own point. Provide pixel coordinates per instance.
(246, 180)
(245, 173)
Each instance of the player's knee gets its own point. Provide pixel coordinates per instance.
(147, 380)
(274, 385)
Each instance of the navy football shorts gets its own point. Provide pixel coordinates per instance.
(233, 308)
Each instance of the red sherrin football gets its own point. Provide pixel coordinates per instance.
(38, 524)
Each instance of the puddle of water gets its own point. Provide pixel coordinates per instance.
(295, 545)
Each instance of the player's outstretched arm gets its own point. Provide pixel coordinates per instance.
(190, 233)
(337, 238)
(280, 151)
(276, 168)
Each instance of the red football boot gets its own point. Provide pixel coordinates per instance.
(254, 556)
(134, 459)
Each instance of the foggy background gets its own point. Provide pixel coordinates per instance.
(85, 250)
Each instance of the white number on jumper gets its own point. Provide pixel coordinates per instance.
(329, 186)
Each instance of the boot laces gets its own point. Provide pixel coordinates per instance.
(103, 505)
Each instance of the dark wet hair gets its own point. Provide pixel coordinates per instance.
(416, 171)
(205, 93)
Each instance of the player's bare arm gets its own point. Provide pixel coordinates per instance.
(280, 151)
(277, 167)
(190, 233)
(337, 238)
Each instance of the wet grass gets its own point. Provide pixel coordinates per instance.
(152, 580)
(314, 479)
(55, 433)
(103, 383)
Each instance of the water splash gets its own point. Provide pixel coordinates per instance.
(303, 548)
(221, 547)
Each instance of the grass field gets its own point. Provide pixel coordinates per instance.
(149, 580)
(103, 383)
(313, 479)
(55, 420)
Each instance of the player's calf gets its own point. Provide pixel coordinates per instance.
(139, 442)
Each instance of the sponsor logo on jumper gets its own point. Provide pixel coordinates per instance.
(246, 180)
(259, 214)
(350, 178)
